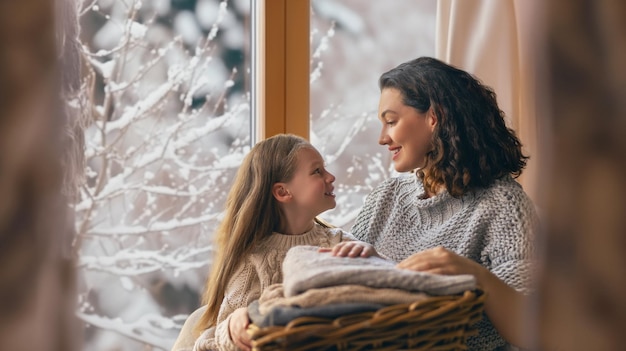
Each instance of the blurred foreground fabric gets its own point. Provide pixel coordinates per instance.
(36, 269)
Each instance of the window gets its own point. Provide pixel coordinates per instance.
(352, 43)
(168, 87)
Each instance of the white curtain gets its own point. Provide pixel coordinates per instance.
(493, 40)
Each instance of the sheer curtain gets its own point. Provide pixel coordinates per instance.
(493, 39)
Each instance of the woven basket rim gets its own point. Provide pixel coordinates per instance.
(436, 323)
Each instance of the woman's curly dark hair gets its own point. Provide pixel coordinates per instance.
(472, 145)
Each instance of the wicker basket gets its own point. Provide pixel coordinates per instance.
(437, 323)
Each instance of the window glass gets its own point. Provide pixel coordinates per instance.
(352, 43)
(167, 86)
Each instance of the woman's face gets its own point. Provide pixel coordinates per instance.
(406, 132)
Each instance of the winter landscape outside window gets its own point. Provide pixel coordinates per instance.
(167, 85)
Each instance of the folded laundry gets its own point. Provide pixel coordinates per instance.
(282, 315)
(274, 296)
(305, 268)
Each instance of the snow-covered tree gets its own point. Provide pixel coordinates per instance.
(169, 125)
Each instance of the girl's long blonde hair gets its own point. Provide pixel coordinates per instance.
(252, 213)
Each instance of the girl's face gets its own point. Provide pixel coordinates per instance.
(311, 187)
(406, 132)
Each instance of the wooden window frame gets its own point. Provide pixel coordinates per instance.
(280, 93)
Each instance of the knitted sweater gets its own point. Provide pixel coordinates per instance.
(256, 272)
(493, 226)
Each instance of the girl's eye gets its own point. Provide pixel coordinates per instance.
(318, 171)
(390, 123)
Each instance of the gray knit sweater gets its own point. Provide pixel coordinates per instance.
(492, 226)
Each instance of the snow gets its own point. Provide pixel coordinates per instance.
(220, 16)
(127, 230)
(132, 262)
(109, 36)
(137, 30)
(207, 12)
(341, 13)
(162, 7)
(148, 329)
(186, 26)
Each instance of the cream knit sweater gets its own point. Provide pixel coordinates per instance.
(255, 273)
(492, 226)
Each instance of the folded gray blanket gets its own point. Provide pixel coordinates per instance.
(305, 268)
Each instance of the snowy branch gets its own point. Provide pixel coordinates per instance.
(133, 262)
(148, 329)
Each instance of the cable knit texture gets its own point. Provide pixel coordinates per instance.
(305, 268)
(492, 226)
(259, 270)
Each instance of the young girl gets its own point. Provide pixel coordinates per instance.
(279, 190)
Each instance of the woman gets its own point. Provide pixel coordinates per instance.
(461, 212)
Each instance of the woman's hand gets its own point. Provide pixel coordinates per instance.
(351, 249)
(441, 261)
(237, 326)
(504, 305)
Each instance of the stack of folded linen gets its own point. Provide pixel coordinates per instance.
(317, 284)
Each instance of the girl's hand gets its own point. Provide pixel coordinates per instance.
(441, 261)
(237, 326)
(351, 249)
